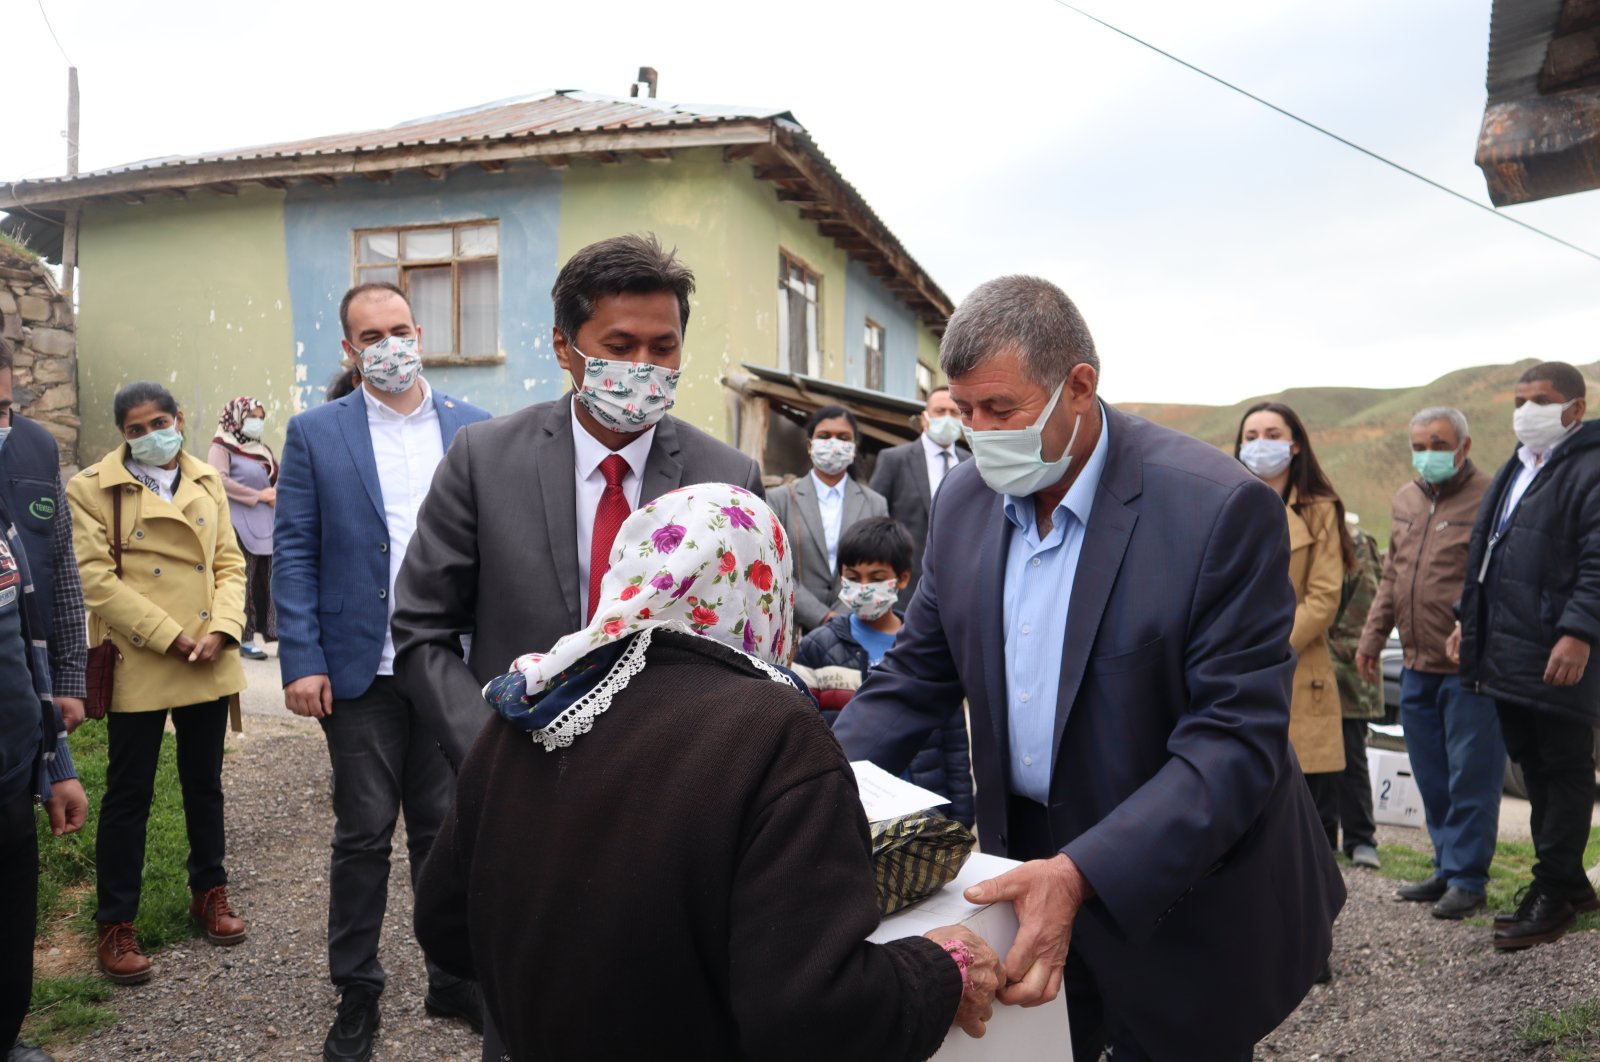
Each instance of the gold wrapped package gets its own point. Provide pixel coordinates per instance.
(914, 856)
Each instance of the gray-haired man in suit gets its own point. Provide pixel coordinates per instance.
(512, 540)
(909, 475)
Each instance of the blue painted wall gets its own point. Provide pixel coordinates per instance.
(865, 297)
(526, 199)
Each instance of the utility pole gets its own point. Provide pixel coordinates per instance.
(69, 237)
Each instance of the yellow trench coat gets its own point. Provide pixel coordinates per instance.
(1316, 567)
(181, 571)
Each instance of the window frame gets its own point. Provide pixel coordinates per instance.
(927, 379)
(360, 270)
(877, 357)
(815, 358)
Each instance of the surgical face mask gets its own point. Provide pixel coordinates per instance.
(252, 427)
(832, 456)
(944, 430)
(1012, 461)
(868, 600)
(1539, 427)
(1266, 457)
(1435, 466)
(627, 395)
(156, 448)
(392, 364)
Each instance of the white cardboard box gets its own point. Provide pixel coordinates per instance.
(1013, 1032)
(1395, 799)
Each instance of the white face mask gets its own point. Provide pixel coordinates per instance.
(832, 456)
(392, 364)
(252, 427)
(627, 395)
(944, 430)
(868, 600)
(1539, 427)
(1266, 457)
(1012, 461)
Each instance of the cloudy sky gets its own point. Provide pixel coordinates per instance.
(1217, 249)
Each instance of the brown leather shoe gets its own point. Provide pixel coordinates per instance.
(118, 951)
(210, 908)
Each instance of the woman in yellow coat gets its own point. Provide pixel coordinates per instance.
(175, 614)
(1273, 444)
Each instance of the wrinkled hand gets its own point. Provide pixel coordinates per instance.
(207, 650)
(67, 806)
(267, 496)
(1367, 667)
(310, 696)
(1046, 894)
(1452, 646)
(182, 647)
(72, 712)
(1568, 661)
(984, 978)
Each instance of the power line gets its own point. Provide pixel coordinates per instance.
(1430, 182)
(45, 15)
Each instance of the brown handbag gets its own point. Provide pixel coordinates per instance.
(100, 674)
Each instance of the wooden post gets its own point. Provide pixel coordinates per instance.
(69, 237)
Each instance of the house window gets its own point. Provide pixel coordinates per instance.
(797, 317)
(874, 355)
(451, 274)
(924, 381)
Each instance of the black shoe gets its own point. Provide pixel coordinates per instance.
(1430, 891)
(457, 999)
(1582, 902)
(1540, 919)
(1325, 975)
(1457, 904)
(350, 1038)
(21, 1052)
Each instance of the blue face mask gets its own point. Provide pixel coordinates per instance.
(156, 448)
(1435, 466)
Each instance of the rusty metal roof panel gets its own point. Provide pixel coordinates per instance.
(1519, 36)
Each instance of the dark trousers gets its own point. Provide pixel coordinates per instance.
(1095, 1030)
(1345, 798)
(1557, 758)
(19, 895)
(384, 761)
(259, 615)
(133, 751)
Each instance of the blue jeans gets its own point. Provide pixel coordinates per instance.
(1458, 760)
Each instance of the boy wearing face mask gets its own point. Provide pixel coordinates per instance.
(874, 566)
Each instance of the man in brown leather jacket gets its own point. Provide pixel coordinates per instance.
(1452, 735)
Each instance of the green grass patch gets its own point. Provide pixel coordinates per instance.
(17, 247)
(1574, 1031)
(1511, 871)
(64, 1009)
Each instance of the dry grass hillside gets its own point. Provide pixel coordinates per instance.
(1360, 433)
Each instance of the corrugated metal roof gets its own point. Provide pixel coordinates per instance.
(543, 114)
(1519, 36)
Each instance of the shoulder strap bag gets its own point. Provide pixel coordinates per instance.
(100, 674)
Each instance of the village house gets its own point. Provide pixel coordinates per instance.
(220, 274)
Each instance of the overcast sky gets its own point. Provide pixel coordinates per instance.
(1217, 249)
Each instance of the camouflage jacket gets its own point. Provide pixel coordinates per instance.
(1358, 699)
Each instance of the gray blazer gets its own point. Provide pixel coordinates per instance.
(816, 592)
(495, 554)
(901, 476)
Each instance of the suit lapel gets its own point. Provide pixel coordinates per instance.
(449, 417)
(855, 503)
(811, 514)
(917, 469)
(358, 438)
(996, 543)
(555, 454)
(663, 471)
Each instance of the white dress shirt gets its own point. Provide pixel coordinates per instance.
(831, 501)
(1531, 464)
(588, 454)
(937, 467)
(408, 448)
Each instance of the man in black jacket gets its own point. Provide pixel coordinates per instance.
(1530, 616)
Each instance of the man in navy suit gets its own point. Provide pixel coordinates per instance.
(353, 476)
(1112, 598)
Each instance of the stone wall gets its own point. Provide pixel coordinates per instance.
(37, 320)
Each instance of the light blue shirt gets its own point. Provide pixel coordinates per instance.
(1038, 591)
(831, 501)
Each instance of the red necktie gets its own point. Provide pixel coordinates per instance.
(608, 517)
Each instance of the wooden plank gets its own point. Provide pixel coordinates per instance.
(129, 197)
(606, 158)
(434, 173)
(821, 212)
(785, 195)
(377, 176)
(492, 166)
(556, 162)
(740, 151)
(274, 182)
(777, 173)
(1571, 62)
(1578, 15)
(327, 180)
(223, 187)
(655, 155)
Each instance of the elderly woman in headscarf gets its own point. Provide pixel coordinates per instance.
(250, 476)
(657, 848)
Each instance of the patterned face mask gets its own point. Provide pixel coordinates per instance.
(832, 456)
(392, 364)
(868, 600)
(627, 395)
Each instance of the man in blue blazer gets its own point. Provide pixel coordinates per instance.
(1112, 599)
(353, 476)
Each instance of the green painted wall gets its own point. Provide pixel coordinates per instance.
(190, 293)
(928, 351)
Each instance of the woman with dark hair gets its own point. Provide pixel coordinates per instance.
(1272, 443)
(163, 580)
(816, 508)
(346, 380)
(249, 471)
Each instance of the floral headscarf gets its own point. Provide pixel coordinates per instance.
(230, 433)
(710, 559)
